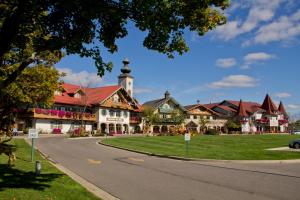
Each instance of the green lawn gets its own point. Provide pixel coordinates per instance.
(20, 182)
(225, 147)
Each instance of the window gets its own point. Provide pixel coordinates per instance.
(116, 98)
(103, 112)
(111, 113)
(118, 113)
(195, 116)
(125, 114)
(164, 116)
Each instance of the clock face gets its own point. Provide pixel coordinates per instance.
(129, 83)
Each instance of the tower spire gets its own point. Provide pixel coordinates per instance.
(241, 110)
(125, 79)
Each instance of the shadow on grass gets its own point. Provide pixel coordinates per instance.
(15, 178)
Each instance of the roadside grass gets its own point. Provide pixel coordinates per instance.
(222, 147)
(20, 181)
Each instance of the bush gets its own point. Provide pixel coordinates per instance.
(212, 132)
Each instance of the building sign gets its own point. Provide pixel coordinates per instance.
(273, 121)
(114, 119)
(32, 133)
(187, 137)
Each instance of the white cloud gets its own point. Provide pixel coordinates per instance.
(293, 106)
(82, 78)
(259, 11)
(286, 28)
(142, 90)
(226, 62)
(258, 57)
(282, 95)
(234, 81)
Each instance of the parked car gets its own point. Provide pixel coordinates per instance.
(295, 144)
(296, 131)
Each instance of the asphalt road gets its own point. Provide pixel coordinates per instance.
(133, 176)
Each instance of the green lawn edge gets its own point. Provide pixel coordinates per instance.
(20, 182)
(222, 147)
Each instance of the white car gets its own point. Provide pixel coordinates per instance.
(296, 131)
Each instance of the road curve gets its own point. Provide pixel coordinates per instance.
(132, 176)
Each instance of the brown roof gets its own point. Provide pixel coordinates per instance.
(241, 112)
(268, 105)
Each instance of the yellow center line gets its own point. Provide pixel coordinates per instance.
(136, 159)
(91, 161)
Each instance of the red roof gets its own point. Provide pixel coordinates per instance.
(282, 109)
(241, 110)
(93, 95)
(268, 105)
(249, 106)
(70, 88)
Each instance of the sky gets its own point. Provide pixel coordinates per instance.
(256, 52)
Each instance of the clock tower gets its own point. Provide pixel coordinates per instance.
(125, 79)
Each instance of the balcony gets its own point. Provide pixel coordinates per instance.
(135, 120)
(60, 114)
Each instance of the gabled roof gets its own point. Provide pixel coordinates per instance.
(241, 112)
(158, 102)
(249, 106)
(211, 105)
(70, 88)
(282, 109)
(192, 107)
(93, 96)
(226, 108)
(268, 105)
(154, 103)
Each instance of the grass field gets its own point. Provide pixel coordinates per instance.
(20, 182)
(224, 147)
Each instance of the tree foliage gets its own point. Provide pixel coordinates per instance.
(149, 118)
(34, 87)
(202, 122)
(47, 26)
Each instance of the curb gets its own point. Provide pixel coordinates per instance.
(81, 181)
(204, 160)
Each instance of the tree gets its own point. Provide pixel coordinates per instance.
(78, 26)
(177, 118)
(149, 118)
(203, 121)
(34, 88)
(232, 125)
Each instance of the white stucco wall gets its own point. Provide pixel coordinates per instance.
(43, 125)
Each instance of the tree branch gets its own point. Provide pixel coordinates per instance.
(13, 76)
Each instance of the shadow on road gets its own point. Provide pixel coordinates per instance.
(15, 178)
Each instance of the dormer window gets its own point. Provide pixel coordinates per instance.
(77, 95)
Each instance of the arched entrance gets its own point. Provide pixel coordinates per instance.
(103, 128)
(192, 127)
(156, 129)
(119, 129)
(164, 129)
(111, 129)
(125, 129)
(137, 129)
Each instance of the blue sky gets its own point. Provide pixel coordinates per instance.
(256, 52)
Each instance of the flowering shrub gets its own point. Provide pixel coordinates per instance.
(87, 115)
(57, 131)
(61, 113)
(38, 110)
(45, 111)
(68, 114)
(53, 112)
